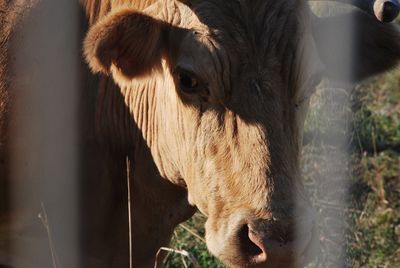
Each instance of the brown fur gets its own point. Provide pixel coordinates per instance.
(231, 151)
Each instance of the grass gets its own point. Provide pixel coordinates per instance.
(353, 150)
(184, 239)
(375, 237)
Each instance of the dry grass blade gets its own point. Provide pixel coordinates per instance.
(184, 262)
(182, 252)
(128, 175)
(193, 233)
(45, 221)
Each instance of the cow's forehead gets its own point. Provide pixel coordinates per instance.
(250, 26)
(249, 15)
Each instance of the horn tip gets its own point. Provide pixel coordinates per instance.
(386, 10)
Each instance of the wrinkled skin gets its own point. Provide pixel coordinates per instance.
(209, 108)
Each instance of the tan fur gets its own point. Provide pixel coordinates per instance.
(96, 9)
(232, 151)
(106, 45)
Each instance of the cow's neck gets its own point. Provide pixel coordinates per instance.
(129, 119)
(123, 114)
(126, 120)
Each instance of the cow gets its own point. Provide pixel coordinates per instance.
(207, 99)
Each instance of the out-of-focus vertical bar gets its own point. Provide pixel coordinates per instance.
(327, 163)
(44, 134)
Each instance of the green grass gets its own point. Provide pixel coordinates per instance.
(374, 240)
(377, 117)
(193, 242)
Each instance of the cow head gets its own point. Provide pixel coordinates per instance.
(226, 86)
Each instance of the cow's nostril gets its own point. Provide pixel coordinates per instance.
(252, 245)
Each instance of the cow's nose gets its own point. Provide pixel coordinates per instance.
(252, 245)
(266, 246)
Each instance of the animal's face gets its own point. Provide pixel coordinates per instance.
(230, 82)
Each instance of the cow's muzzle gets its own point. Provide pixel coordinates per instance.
(279, 243)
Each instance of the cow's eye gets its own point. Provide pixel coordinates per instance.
(187, 81)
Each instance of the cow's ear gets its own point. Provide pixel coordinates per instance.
(354, 46)
(127, 42)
